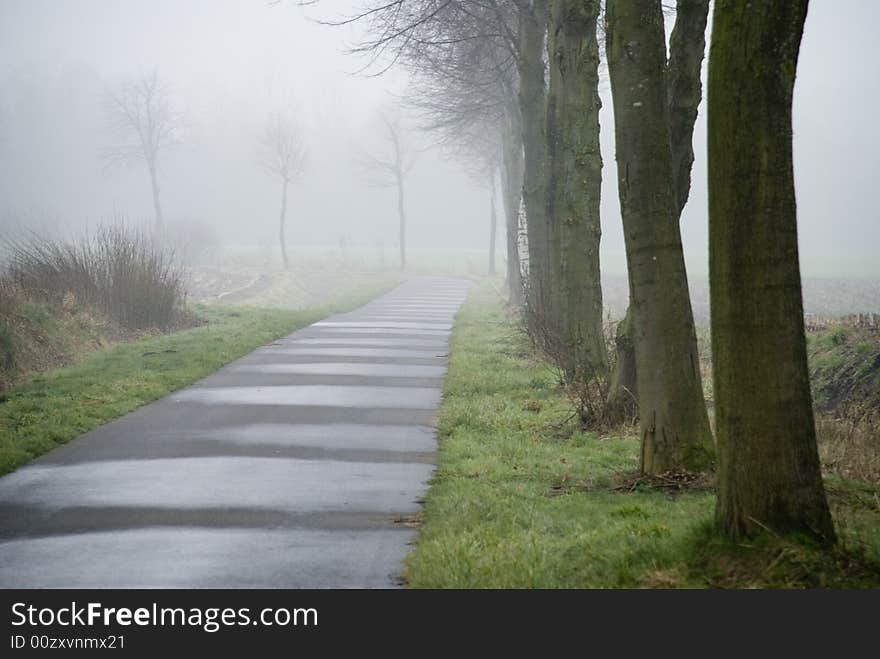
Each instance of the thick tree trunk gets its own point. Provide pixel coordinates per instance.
(402, 215)
(493, 221)
(769, 475)
(574, 181)
(674, 425)
(687, 46)
(532, 27)
(281, 238)
(511, 189)
(157, 205)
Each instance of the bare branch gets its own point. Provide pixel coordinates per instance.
(282, 148)
(140, 121)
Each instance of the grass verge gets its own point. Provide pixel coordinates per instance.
(522, 500)
(52, 408)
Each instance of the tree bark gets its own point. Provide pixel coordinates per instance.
(157, 205)
(493, 221)
(402, 215)
(281, 239)
(511, 184)
(573, 184)
(687, 46)
(769, 474)
(674, 425)
(532, 27)
(624, 391)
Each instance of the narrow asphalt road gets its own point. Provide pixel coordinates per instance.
(297, 466)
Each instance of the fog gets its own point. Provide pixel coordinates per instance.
(230, 63)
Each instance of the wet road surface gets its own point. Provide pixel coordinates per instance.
(297, 466)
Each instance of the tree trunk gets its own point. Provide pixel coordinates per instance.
(687, 46)
(402, 215)
(532, 27)
(624, 391)
(674, 425)
(769, 474)
(281, 239)
(511, 184)
(157, 205)
(574, 181)
(493, 221)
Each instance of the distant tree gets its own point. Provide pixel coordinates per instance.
(468, 59)
(283, 155)
(143, 127)
(488, 62)
(464, 89)
(480, 154)
(386, 164)
(768, 473)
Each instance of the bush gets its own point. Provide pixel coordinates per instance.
(598, 403)
(138, 283)
(849, 442)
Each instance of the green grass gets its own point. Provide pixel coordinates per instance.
(52, 408)
(845, 368)
(521, 500)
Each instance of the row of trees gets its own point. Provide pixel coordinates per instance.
(514, 84)
(144, 127)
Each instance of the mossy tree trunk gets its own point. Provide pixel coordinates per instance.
(532, 28)
(769, 474)
(624, 390)
(573, 184)
(687, 45)
(674, 425)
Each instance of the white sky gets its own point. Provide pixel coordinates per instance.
(231, 62)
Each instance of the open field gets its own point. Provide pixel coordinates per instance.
(253, 275)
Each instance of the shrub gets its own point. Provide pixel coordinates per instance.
(849, 442)
(138, 283)
(598, 404)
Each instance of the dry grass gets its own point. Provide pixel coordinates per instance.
(596, 403)
(124, 273)
(36, 336)
(849, 443)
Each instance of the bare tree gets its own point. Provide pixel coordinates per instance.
(143, 127)
(464, 91)
(386, 165)
(479, 151)
(464, 57)
(283, 155)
